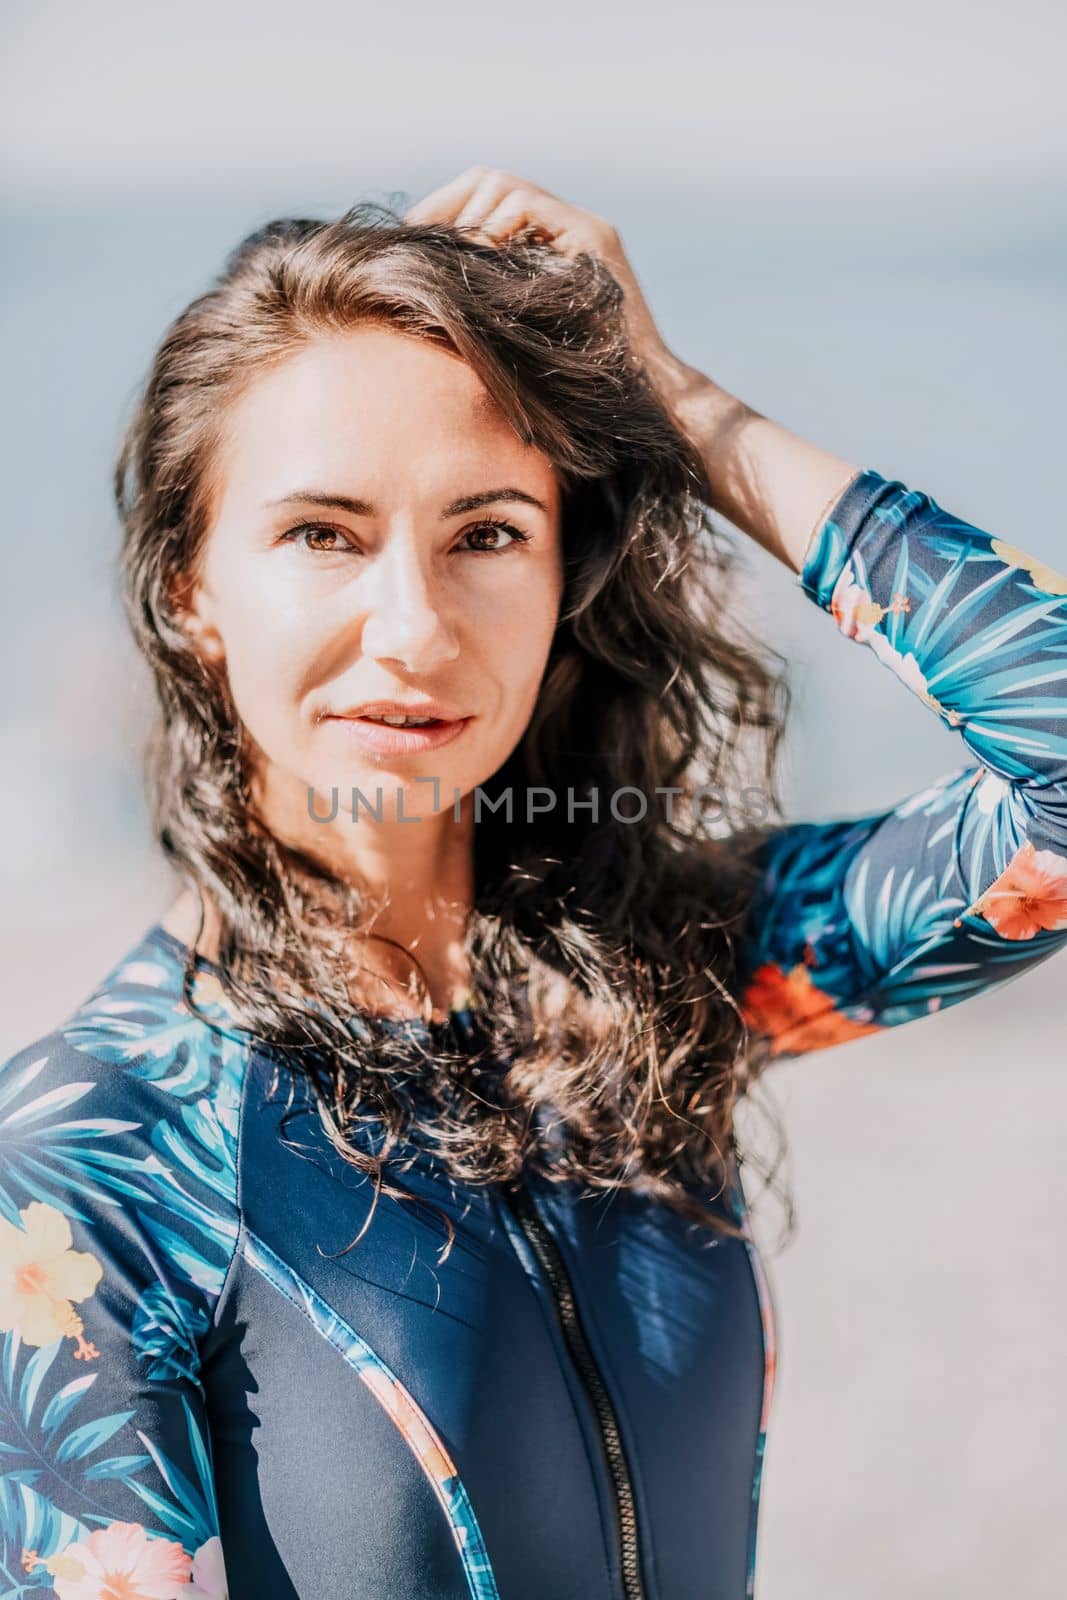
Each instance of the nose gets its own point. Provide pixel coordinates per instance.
(405, 619)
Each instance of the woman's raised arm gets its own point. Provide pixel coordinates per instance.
(863, 923)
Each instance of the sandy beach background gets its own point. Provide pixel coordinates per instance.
(851, 222)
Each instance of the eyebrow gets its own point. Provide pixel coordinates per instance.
(363, 508)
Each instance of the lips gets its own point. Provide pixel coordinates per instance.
(383, 739)
(397, 719)
(399, 708)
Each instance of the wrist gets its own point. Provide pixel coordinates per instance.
(700, 406)
(677, 383)
(716, 422)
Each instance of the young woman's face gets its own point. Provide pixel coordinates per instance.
(350, 561)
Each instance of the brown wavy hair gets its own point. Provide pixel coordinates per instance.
(609, 1046)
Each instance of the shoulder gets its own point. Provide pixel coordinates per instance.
(124, 1118)
(148, 1043)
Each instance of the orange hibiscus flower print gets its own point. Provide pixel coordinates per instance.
(795, 1013)
(1029, 897)
(40, 1275)
(120, 1562)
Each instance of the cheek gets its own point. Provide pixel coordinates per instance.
(515, 640)
(521, 615)
(270, 654)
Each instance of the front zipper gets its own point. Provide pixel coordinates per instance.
(552, 1264)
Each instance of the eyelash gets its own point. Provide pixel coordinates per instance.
(293, 535)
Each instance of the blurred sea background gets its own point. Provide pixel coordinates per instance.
(853, 219)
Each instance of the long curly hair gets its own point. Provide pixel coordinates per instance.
(608, 1046)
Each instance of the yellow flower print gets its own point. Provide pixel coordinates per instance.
(40, 1275)
(212, 998)
(1041, 574)
(854, 609)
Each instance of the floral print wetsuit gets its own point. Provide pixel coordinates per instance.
(202, 1386)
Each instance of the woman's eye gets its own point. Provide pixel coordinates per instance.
(333, 538)
(492, 528)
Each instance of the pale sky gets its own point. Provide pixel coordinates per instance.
(209, 94)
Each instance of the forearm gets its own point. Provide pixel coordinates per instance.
(866, 922)
(773, 485)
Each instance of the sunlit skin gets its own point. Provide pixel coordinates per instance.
(311, 608)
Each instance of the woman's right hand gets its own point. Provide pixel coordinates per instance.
(497, 205)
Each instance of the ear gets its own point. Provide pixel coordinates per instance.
(193, 608)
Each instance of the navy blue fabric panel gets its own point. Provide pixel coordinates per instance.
(319, 1494)
(467, 1339)
(672, 1315)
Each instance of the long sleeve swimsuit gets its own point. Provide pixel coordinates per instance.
(202, 1386)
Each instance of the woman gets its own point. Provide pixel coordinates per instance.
(375, 1227)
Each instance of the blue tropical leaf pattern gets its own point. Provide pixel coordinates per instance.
(865, 923)
(115, 1238)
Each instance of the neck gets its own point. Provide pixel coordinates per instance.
(417, 876)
